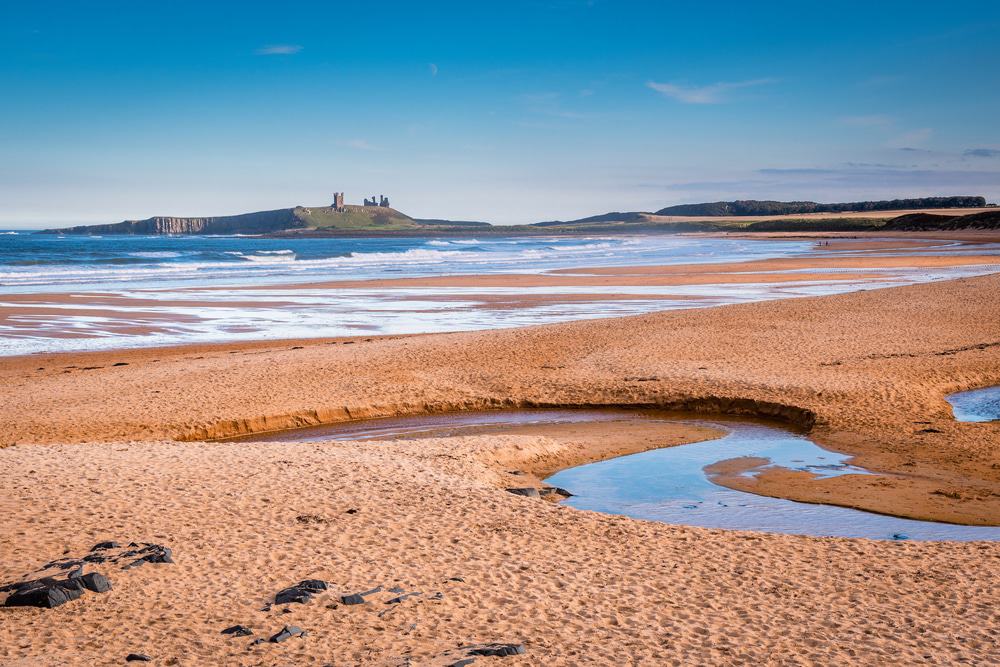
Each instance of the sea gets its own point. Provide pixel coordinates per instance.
(69, 292)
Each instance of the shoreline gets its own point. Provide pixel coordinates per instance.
(97, 458)
(201, 363)
(131, 318)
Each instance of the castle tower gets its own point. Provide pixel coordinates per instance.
(338, 202)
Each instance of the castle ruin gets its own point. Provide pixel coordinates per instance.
(383, 201)
(338, 202)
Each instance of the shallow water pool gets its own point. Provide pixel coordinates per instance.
(977, 405)
(670, 484)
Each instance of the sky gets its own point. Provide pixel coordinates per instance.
(508, 112)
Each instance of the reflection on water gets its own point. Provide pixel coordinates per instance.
(978, 405)
(670, 484)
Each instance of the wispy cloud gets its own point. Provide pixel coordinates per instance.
(911, 139)
(870, 120)
(278, 50)
(433, 69)
(360, 145)
(982, 152)
(715, 93)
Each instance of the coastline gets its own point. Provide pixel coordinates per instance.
(96, 450)
(868, 364)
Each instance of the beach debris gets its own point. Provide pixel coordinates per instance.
(352, 511)
(526, 491)
(359, 598)
(301, 592)
(457, 579)
(287, 632)
(137, 657)
(499, 650)
(238, 631)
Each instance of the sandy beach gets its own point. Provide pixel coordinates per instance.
(110, 446)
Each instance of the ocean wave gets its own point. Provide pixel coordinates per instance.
(156, 254)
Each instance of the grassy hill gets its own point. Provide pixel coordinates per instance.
(354, 218)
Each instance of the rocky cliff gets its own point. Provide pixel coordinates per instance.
(261, 222)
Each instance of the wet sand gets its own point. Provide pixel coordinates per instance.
(189, 314)
(97, 450)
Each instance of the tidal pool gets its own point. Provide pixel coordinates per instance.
(670, 484)
(977, 405)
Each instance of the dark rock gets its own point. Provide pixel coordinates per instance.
(526, 491)
(257, 641)
(352, 511)
(458, 579)
(238, 631)
(293, 594)
(301, 592)
(313, 584)
(400, 598)
(137, 657)
(359, 598)
(464, 662)
(94, 558)
(498, 650)
(555, 491)
(96, 582)
(287, 632)
(101, 546)
(153, 553)
(899, 537)
(46, 593)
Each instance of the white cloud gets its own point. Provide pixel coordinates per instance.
(278, 50)
(711, 94)
(359, 145)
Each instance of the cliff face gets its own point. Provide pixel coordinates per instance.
(261, 222)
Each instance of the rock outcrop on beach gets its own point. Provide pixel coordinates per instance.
(261, 222)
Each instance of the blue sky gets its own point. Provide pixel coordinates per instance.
(501, 111)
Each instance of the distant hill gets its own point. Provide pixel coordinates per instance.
(605, 217)
(437, 222)
(765, 207)
(916, 222)
(305, 219)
